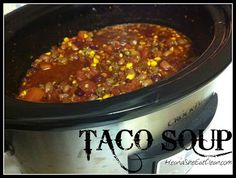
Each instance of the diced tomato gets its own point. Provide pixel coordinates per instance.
(81, 75)
(117, 45)
(34, 94)
(165, 65)
(45, 66)
(115, 91)
(133, 85)
(122, 76)
(144, 52)
(108, 49)
(93, 72)
(82, 35)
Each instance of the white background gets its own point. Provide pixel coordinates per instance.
(222, 120)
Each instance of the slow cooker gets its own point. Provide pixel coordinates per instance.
(45, 138)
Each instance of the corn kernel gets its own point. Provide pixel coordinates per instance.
(97, 56)
(142, 42)
(85, 35)
(173, 38)
(93, 64)
(110, 68)
(155, 37)
(130, 76)
(95, 60)
(91, 54)
(66, 39)
(157, 58)
(151, 63)
(106, 96)
(129, 65)
(69, 43)
(61, 55)
(85, 68)
(74, 82)
(48, 53)
(23, 93)
(99, 84)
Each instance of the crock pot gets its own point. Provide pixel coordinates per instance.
(45, 137)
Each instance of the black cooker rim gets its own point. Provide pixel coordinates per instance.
(47, 115)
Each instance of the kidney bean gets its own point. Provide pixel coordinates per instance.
(98, 78)
(79, 92)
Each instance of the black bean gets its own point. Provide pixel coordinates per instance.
(155, 78)
(79, 92)
(128, 81)
(94, 47)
